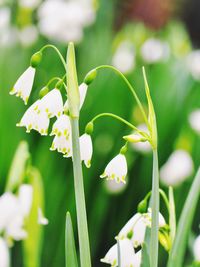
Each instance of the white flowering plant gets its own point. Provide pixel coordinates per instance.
(137, 244)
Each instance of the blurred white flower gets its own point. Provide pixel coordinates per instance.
(116, 169)
(124, 57)
(62, 126)
(135, 228)
(4, 18)
(86, 149)
(194, 120)
(193, 63)
(62, 144)
(82, 92)
(28, 35)
(64, 21)
(4, 254)
(196, 249)
(177, 169)
(41, 219)
(32, 4)
(51, 103)
(128, 256)
(24, 84)
(143, 147)
(13, 211)
(32, 119)
(154, 50)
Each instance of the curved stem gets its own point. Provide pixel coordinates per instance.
(164, 197)
(130, 88)
(119, 119)
(57, 51)
(52, 80)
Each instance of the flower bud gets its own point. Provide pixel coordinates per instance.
(89, 78)
(142, 206)
(134, 138)
(43, 91)
(89, 128)
(36, 59)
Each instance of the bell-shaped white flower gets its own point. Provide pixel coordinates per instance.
(177, 169)
(82, 93)
(25, 197)
(143, 147)
(4, 254)
(196, 249)
(24, 84)
(41, 219)
(51, 103)
(34, 119)
(194, 120)
(86, 149)
(135, 228)
(116, 169)
(128, 257)
(62, 126)
(63, 145)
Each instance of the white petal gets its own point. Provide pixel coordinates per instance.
(25, 198)
(24, 84)
(62, 126)
(116, 169)
(143, 147)
(86, 149)
(4, 254)
(127, 254)
(41, 219)
(193, 63)
(41, 123)
(52, 103)
(82, 91)
(194, 120)
(62, 144)
(196, 249)
(137, 259)
(177, 169)
(15, 228)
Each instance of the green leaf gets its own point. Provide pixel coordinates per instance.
(145, 256)
(18, 167)
(33, 243)
(184, 225)
(70, 249)
(172, 215)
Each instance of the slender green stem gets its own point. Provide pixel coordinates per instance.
(119, 119)
(80, 197)
(53, 80)
(164, 197)
(57, 51)
(155, 212)
(130, 88)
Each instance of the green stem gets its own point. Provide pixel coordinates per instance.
(57, 51)
(119, 119)
(80, 197)
(155, 212)
(130, 88)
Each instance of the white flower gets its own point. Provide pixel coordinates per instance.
(62, 144)
(25, 198)
(143, 147)
(63, 21)
(62, 126)
(4, 18)
(154, 50)
(196, 249)
(82, 92)
(32, 4)
(177, 169)
(86, 149)
(41, 219)
(24, 84)
(124, 57)
(4, 254)
(116, 169)
(135, 228)
(115, 188)
(28, 35)
(33, 119)
(194, 120)
(51, 103)
(127, 255)
(193, 63)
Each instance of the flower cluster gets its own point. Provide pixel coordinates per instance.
(131, 238)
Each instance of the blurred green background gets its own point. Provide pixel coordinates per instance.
(174, 90)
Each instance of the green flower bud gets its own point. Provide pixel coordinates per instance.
(89, 78)
(43, 91)
(36, 59)
(142, 206)
(89, 128)
(59, 84)
(134, 138)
